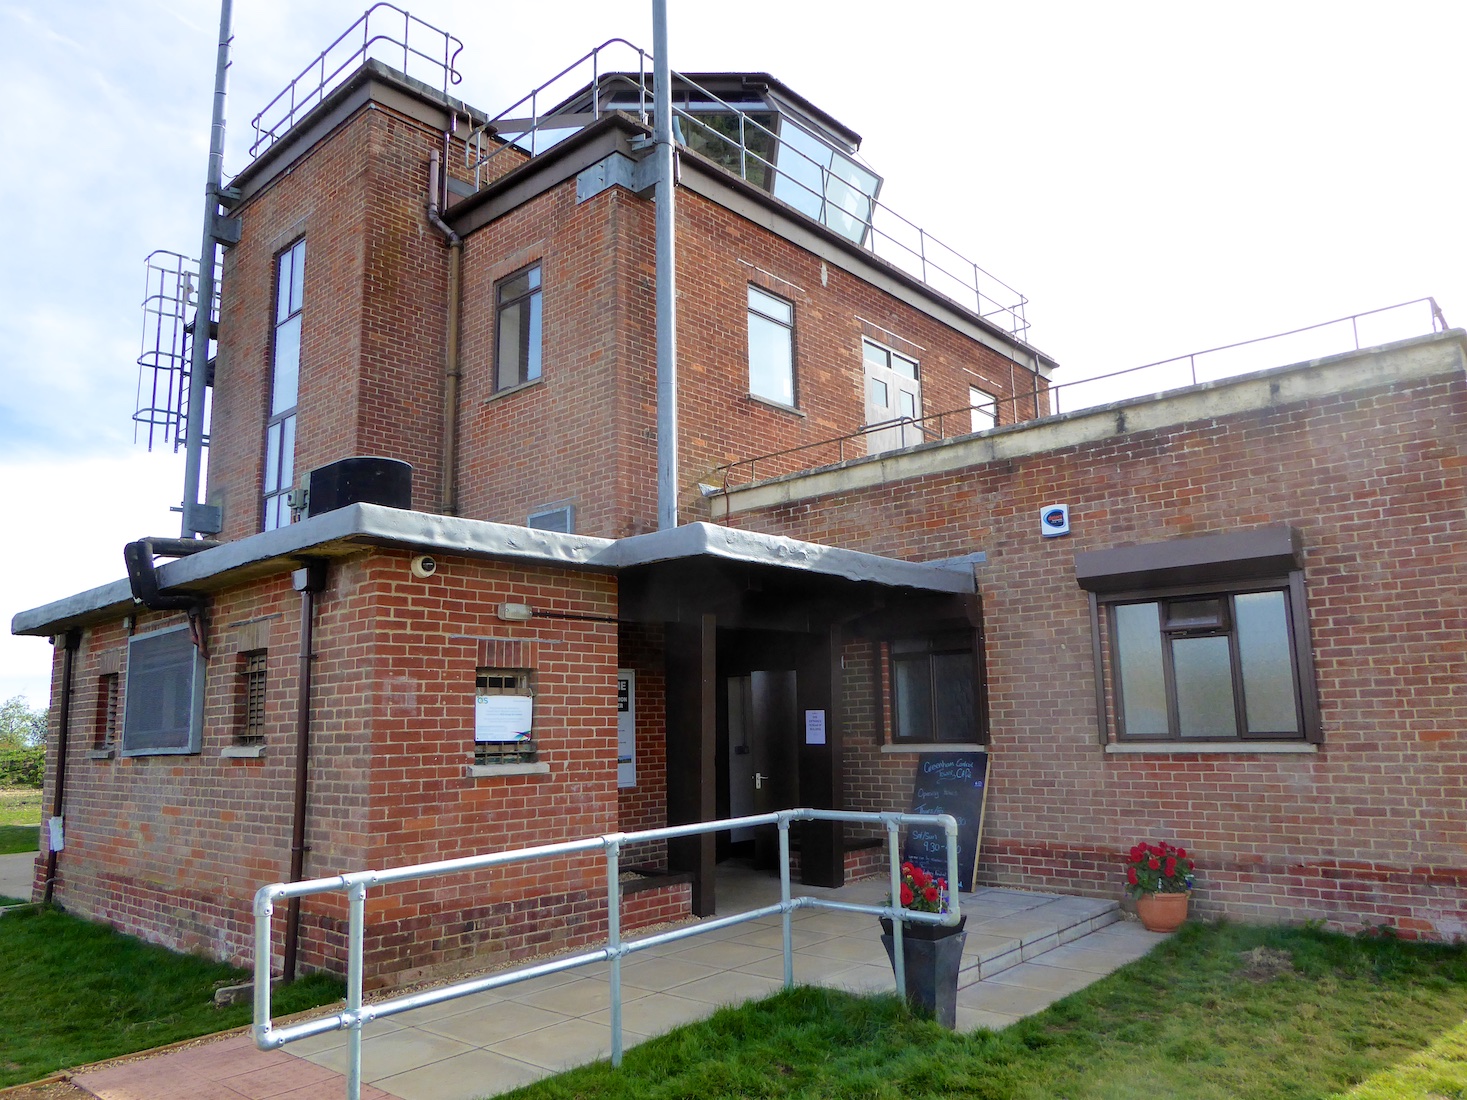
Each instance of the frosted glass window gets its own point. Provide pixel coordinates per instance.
(1203, 669)
(1137, 643)
(1268, 671)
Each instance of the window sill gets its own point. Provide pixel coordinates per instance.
(937, 746)
(242, 752)
(773, 404)
(1184, 748)
(489, 771)
(101, 754)
(508, 390)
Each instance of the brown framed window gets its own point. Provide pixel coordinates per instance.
(1226, 662)
(1202, 639)
(936, 690)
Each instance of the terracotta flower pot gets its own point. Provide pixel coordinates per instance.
(1162, 912)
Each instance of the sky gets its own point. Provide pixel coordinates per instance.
(1156, 178)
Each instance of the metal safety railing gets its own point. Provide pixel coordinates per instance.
(826, 189)
(393, 28)
(170, 294)
(1045, 399)
(355, 887)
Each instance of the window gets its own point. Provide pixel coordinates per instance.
(1203, 639)
(285, 369)
(504, 716)
(104, 737)
(560, 517)
(251, 728)
(893, 398)
(771, 347)
(1210, 666)
(935, 693)
(164, 711)
(983, 408)
(517, 325)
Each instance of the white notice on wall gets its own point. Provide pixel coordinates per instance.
(814, 727)
(626, 728)
(503, 717)
(55, 835)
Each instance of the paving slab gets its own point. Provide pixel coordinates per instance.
(17, 872)
(491, 1042)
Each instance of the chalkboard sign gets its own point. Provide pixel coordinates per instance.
(948, 783)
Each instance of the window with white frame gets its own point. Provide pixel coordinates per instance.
(771, 347)
(517, 326)
(285, 369)
(983, 408)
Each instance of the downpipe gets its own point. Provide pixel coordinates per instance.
(72, 641)
(307, 581)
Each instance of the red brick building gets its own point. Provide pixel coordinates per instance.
(1250, 641)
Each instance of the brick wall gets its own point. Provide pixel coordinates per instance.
(173, 847)
(1368, 830)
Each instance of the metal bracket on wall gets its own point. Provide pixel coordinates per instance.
(617, 170)
(227, 230)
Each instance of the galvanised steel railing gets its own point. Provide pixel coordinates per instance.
(883, 232)
(1039, 402)
(393, 26)
(355, 886)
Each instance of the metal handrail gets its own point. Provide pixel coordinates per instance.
(269, 1037)
(1046, 397)
(919, 260)
(291, 104)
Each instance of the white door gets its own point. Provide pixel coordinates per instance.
(893, 399)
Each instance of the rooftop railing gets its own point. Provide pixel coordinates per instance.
(1044, 399)
(384, 31)
(798, 165)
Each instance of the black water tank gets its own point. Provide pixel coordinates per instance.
(360, 480)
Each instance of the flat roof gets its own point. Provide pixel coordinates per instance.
(349, 530)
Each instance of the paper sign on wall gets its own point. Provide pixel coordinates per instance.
(626, 728)
(55, 834)
(503, 717)
(814, 727)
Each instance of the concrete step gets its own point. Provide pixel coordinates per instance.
(1009, 927)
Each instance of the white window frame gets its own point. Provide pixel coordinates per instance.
(771, 337)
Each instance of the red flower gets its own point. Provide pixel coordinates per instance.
(906, 868)
(1153, 864)
(907, 895)
(1137, 852)
(930, 893)
(920, 877)
(1131, 875)
(1181, 853)
(942, 884)
(1171, 867)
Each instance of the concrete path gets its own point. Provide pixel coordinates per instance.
(1024, 951)
(16, 872)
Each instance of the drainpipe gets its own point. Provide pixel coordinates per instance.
(666, 274)
(68, 673)
(448, 479)
(307, 582)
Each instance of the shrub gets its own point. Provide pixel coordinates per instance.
(22, 767)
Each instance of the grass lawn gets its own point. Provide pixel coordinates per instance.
(91, 993)
(1216, 1012)
(20, 819)
(20, 806)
